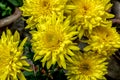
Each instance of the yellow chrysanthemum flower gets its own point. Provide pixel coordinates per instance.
(11, 59)
(41, 10)
(104, 40)
(91, 13)
(86, 66)
(52, 42)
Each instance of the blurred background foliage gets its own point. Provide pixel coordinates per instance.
(7, 7)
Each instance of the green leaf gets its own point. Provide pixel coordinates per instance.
(16, 3)
(26, 73)
(2, 6)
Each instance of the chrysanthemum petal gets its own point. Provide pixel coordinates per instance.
(74, 48)
(11, 59)
(21, 76)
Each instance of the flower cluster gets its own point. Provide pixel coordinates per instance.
(90, 14)
(12, 60)
(57, 26)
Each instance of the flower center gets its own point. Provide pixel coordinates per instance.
(84, 68)
(45, 7)
(45, 4)
(104, 34)
(84, 7)
(52, 39)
